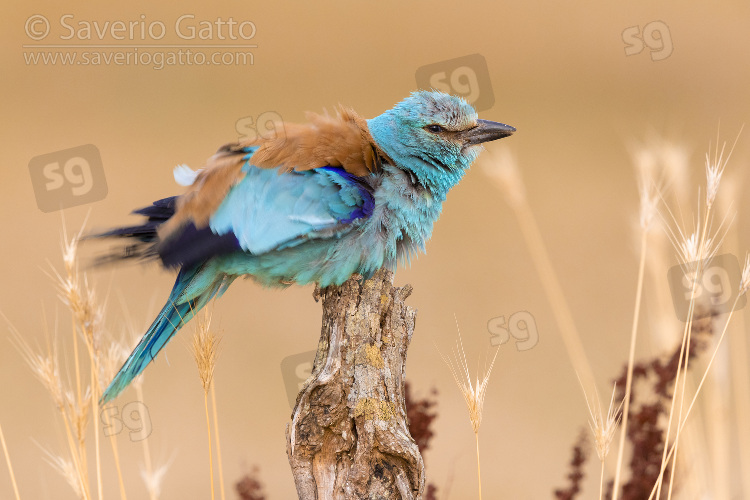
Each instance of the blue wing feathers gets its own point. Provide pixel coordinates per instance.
(267, 211)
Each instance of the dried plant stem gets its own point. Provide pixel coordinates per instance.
(116, 454)
(741, 397)
(73, 329)
(479, 473)
(210, 452)
(740, 376)
(218, 442)
(601, 482)
(83, 463)
(146, 450)
(672, 449)
(553, 290)
(204, 348)
(77, 459)
(10, 466)
(95, 416)
(631, 362)
(473, 393)
(684, 357)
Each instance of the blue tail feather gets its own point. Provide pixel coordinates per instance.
(175, 313)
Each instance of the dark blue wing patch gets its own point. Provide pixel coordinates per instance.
(364, 189)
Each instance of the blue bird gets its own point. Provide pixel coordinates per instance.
(314, 204)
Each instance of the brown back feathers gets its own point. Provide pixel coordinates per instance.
(339, 141)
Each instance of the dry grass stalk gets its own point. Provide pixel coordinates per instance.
(503, 170)
(10, 465)
(649, 198)
(744, 287)
(73, 411)
(695, 252)
(152, 478)
(740, 395)
(80, 298)
(205, 349)
(112, 358)
(473, 393)
(218, 441)
(77, 405)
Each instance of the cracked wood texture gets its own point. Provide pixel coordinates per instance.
(349, 437)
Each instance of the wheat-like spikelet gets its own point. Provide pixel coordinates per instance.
(68, 470)
(205, 349)
(603, 428)
(473, 393)
(45, 367)
(695, 250)
(87, 315)
(78, 410)
(154, 478)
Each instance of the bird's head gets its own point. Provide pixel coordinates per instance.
(435, 135)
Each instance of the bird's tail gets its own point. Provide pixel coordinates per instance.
(192, 290)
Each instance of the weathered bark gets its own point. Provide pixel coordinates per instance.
(349, 437)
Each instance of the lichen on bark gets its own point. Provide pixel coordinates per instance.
(349, 436)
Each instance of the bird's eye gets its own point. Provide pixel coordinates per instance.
(434, 128)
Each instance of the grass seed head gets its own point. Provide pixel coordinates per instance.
(603, 427)
(154, 478)
(67, 469)
(473, 393)
(205, 349)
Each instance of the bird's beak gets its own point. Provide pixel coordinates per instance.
(486, 131)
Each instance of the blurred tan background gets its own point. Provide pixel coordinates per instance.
(559, 73)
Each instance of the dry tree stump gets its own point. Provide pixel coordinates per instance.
(349, 437)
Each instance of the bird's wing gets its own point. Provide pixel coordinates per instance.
(235, 206)
(342, 141)
(307, 181)
(267, 211)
